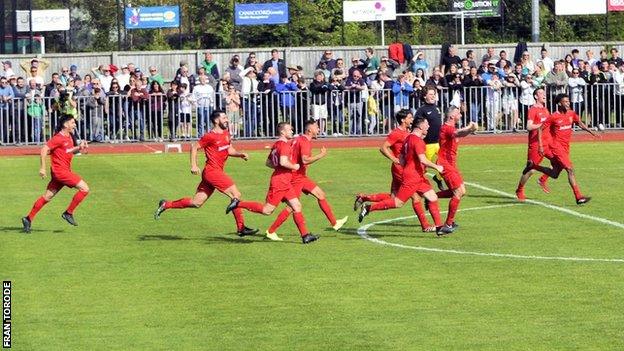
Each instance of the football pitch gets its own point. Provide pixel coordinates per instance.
(541, 275)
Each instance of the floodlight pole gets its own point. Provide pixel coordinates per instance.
(463, 35)
(383, 34)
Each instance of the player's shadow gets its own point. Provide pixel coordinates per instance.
(353, 232)
(20, 230)
(502, 200)
(230, 239)
(160, 237)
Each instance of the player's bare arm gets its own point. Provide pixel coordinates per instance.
(386, 151)
(467, 130)
(45, 150)
(285, 162)
(584, 127)
(194, 168)
(423, 159)
(233, 153)
(311, 159)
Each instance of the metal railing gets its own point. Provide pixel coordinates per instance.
(340, 112)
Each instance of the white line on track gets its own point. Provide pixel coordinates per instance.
(362, 232)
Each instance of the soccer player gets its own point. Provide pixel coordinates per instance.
(302, 155)
(538, 125)
(391, 149)
(280, 187)
(430, 111)
(561, 124)
(217, 147)
(414, 183)
(61, 147)
(447, 158)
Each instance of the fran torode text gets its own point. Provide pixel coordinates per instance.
(6, 315)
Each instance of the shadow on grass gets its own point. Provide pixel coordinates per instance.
(20, 229)
(230, 239)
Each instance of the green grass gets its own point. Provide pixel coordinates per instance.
(122, 281)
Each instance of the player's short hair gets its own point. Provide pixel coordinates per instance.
(536, 91)
(308, 123)
(559, 97)
(449, 111)
(401, 115)
(417, 122)
(281, 126)
(61, 121)
(215, 115)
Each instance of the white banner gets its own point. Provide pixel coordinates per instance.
(580, 7)
(362, 11)
(43, 20)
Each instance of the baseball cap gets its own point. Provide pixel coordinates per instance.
(73, 68)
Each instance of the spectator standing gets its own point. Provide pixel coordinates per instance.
(184, 77)
(336, 111)
(615, 57)
(157, 100)
(356, 88)
(450, 59)
(591, 60)
(249, 89)
(556, 81)
(204, 96)
(371, 64)
(19, 109)
(35, 111)
(96, 103)
(6, 98)
(401, 90)
(577, 89)
(8, 69)
(329, 61)
(232, 109)
(493, 102)
(268, 105)
(510, 94)
(618, 79)
(527, 87)
(73, 72)
(528, 66)
(320, 88)
(136, 109)
(472, 62)
(285, 91)
(340, 72)
(115, 111)
(234, 70)
(278, 65)
(102, 72)
(548, 63)
(186, 107)
(41, 66)
(597, 94)
(210, 66)
(173, 107)
(155, 76)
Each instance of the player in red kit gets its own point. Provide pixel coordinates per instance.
(391, 149)
(414, 183)
(61, 148)
(280, 187)
(302, 155)
(561, 124)
(217, 147)
(538, 125)
(447, 158)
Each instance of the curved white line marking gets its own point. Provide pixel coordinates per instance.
(362, 233)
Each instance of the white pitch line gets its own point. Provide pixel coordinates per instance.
(362, 233)
(552, 207)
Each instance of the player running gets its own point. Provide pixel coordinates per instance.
(217, 147)
(414, 183)
(447, 158)
(561, 123)
(61, 148)
(391, 149)
(302, 155)
(538, 125)
(280, 186)
(430, 111)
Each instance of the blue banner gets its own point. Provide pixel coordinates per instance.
(254, 14)
(152, 17)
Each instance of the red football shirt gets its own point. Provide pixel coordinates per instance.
(60, 154)
(413, 170)
(301, 146)
(448, 145)
(539, 115)
(396, 138)
(561, 128)
(215, 147)
(281, 175)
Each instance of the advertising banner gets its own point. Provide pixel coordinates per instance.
(256, 14)
(43, 20)
(152, 17)
(363, 11)
(580, 7)
(616, 5)
(490, 8)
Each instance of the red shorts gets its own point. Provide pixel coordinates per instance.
(214, 179)
(397, 179)
(562, 158)
(303, 184)
(534, 157)
(280, 189)
(408, 189)
(452, 177)
(61, 179)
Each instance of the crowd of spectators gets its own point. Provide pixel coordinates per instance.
(117, 103)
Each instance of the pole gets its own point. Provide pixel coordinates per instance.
(14, 26)
(30, 31)
(463, 31)
(383, 34)
(2, 28)
(117, 11)
(535, 21)
(607, 22)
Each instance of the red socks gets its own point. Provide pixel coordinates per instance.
(281, 218)
(38, 205)
(252, 206)
(300, 222)
(543, 178)
(434, 209)
(238, 217)
(327, 211)
(76, 200)
(452, 209)
(382, 205)
(375, 197)
(181, 203)
(577, 191)
(420, 213)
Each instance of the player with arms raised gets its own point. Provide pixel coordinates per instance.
(61, 148)
(217, 147)
(280, 187)
(302, 155)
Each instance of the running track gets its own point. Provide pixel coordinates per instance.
(363, 142)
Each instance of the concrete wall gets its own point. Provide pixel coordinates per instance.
(168, 61)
